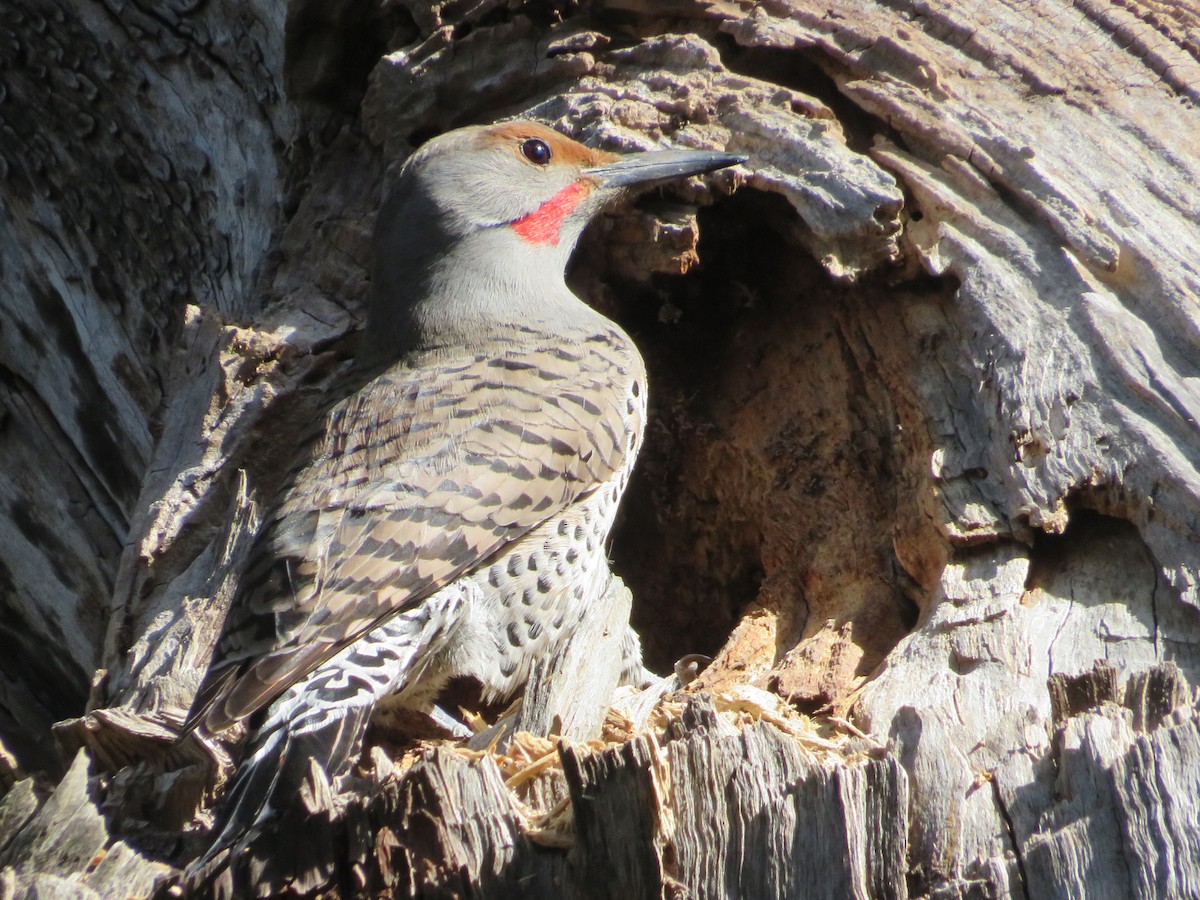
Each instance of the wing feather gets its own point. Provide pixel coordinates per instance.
(433, 467)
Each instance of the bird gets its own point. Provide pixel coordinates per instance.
(450, 517)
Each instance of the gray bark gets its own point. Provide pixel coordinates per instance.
(923, 454)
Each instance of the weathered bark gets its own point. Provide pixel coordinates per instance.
(923, 449)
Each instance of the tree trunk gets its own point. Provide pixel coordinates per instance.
(922, 472)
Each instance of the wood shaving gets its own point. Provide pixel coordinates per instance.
(530, 757)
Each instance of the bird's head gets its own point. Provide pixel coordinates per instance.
(503, 205)
(539, 184)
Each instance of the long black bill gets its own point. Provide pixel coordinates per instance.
(659, 165)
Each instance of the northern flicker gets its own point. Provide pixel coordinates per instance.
(451, 519)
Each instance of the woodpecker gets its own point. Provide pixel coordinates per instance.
(451, 517)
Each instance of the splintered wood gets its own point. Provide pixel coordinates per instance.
(532, 766)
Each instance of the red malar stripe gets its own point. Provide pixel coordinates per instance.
(542, 225)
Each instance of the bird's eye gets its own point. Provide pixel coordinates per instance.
(537, 152)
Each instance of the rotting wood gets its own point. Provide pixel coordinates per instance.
(642, 819)
(1120, 820)
(928, 400)
(64, 849)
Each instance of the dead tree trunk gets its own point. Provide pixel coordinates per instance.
(923, 470)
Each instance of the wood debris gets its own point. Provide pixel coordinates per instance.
(529, 759)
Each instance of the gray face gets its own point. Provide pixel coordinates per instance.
(479, 179)
(466, 242)
(475, 235)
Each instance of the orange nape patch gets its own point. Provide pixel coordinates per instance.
(564, 149)
(542, 226)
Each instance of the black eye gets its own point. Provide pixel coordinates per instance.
(537, 152)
